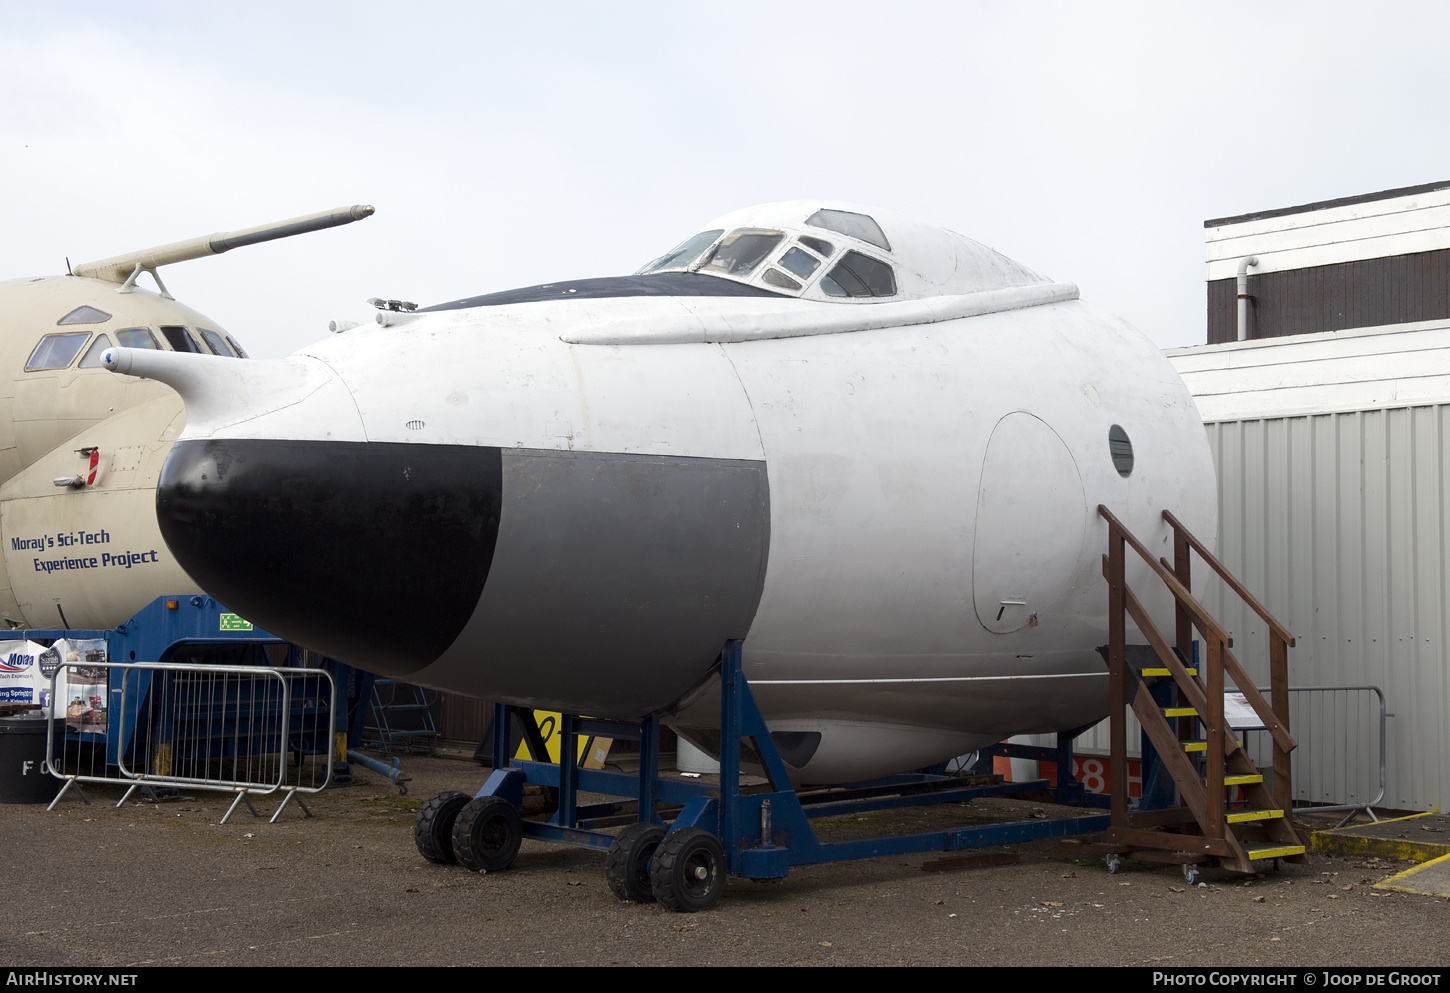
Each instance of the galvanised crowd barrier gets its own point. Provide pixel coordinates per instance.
(247, 730)
(1334, 768)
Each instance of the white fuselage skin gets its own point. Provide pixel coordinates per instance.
(935, 451)
(934, 570)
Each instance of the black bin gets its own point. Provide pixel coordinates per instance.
(23, 776)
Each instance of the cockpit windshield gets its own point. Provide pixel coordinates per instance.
(683, 255)
(742, 250)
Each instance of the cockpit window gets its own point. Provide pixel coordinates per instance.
(136, 338)
(241, 352)
(56, 351)
(683, 255)
(85, 315)
(742, 250)
(218, 345)
(93, 354)
(858, 275)
(775, 277)
(799, 262)
(857, 226)
(818, 245)
(180, 340)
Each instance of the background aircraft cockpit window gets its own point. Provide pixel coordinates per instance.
(241, 352)
(858, 275)
(683, 255)
(799, 262)
(85, 315)
(775, 277)
(180, 340)
(56, 351)
(857, 226)
(136, 338)
(742, 250)
(820, 246)
(217, 344)
(93, 354)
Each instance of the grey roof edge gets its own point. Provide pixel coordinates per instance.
(1323, 204)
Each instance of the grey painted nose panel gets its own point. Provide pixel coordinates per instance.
(615, 580)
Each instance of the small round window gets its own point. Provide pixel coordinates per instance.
(1121, 449)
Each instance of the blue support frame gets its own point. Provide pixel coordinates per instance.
(763, 833)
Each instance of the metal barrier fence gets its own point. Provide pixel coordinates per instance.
(248, 730)
(1332, 767)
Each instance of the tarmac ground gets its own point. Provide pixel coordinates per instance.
(165, 883)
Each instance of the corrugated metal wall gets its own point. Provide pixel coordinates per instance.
(1339, 523)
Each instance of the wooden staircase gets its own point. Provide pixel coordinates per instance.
(1197, 748)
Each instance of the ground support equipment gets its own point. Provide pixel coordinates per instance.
(685, 837)
(401, 719)
(1205, 802)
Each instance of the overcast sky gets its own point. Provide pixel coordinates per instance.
(511, 144)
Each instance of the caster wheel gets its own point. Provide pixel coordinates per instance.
(1190, 874)
(1115, 864)
(626, 867)
(487, 833)
(688, 871)
(433, 830)
(1278, 865)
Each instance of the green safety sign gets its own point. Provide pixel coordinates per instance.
(233, 622)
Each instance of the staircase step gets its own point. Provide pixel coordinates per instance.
(1239, 780)
(1240, 816)
(1179, 712)
(1165, 672)
(1202, 746)
(1274, 851)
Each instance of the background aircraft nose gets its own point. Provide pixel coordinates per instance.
(371, 553)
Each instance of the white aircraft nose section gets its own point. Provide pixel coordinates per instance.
(296, 398)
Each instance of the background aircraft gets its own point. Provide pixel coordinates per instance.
(870, 447)
(81, 449)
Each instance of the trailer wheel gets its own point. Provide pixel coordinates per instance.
(688, 872)
(487, 834)
(626, 867)
(433, 830)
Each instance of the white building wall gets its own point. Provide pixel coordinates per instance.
(1417, 222)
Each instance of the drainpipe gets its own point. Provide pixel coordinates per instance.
(1243, 284)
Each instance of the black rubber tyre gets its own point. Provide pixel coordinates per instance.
(688, 871)
(626, 867)
(487, 833)
(433, 830)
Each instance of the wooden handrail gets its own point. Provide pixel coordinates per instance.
(1272, 721)
(1229, 578)
(1202, 617)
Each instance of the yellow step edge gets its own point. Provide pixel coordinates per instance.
(1202, 746)
(1180, 712)
(1165, 672)
(1240, 780)
(1253, 815)
(1280, 852)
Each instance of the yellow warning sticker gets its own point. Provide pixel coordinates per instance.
(592, 751)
